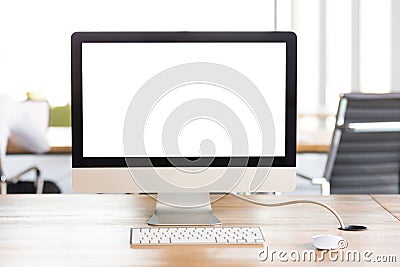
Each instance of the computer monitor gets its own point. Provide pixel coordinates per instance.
(183, 114)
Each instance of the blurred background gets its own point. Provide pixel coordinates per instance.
(343, 46)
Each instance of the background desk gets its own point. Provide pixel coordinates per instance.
(317, 141)
(60, 142)
(93, 230)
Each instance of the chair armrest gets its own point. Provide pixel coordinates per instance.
(3, 183)
(322, 181)
(325, 185)
(39, 180)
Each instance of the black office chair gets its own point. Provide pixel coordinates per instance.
(364, 155)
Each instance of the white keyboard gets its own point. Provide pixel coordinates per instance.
(196, 235)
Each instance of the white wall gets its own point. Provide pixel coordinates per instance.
(35, 35)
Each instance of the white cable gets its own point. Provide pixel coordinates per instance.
(292, 202)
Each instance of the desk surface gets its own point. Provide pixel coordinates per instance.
(389, 202)
(93, 230)
(60, 142)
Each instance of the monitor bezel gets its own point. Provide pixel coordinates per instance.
(78, 161)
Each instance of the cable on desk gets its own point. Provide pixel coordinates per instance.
(304, 201)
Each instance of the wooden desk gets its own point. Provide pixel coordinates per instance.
(389, 202)
(312, 148)
(314, 141)
(93, 230)
(55, 149)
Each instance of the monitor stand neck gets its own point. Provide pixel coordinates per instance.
(182, 210)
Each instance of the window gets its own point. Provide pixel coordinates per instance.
(375, 46)
(343, 46)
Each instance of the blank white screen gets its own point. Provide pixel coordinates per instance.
(113, 72)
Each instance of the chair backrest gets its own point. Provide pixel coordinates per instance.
(364, 156)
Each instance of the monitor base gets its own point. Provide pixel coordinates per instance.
(180, 209)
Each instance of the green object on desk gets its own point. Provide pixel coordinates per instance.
(60, 116)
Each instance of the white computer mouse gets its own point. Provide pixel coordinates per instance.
(328, 241)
